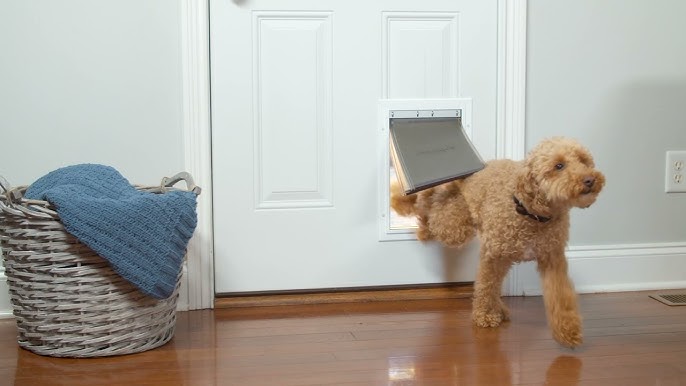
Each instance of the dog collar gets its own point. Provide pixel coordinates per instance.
(522, 210)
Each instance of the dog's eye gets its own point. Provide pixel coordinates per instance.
(560, 166)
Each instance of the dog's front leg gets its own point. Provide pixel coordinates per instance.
(488, 309)
(560, 301)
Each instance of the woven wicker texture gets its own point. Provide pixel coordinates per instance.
(67, 300)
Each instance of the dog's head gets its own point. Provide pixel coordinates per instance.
(560, 172)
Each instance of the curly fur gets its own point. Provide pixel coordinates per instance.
(557, 175)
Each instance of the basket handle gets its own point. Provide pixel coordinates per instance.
(168, 182)
(16, 205)
(4, 185)
(11, 194)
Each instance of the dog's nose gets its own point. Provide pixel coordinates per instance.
(589, 181)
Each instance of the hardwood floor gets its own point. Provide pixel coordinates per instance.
(630, 339)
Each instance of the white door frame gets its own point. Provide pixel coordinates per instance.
(199, 278)
(511, 110)
(197, 140)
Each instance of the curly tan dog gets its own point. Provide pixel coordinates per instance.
(521, 212)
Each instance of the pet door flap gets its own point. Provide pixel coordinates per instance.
(430, 147)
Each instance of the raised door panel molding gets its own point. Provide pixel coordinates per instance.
(293, 108)
(420, 55)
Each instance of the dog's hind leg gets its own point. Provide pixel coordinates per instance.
(423, 231)
(488, 309)
(451, 222)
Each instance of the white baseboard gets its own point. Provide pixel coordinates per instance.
(615, 268)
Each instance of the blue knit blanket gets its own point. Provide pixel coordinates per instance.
(143, 235)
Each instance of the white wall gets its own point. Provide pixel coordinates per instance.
(90, 81)
(85, 81)
(613, 74)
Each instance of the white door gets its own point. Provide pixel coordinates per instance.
(295, 135)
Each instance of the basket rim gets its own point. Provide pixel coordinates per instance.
(13, 202)
(25, 207)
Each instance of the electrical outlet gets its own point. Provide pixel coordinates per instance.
(675, 171)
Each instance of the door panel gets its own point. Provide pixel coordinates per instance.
(295, 90)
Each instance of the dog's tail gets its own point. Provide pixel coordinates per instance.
(403, 204)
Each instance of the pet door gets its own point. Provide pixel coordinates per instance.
(401, 118)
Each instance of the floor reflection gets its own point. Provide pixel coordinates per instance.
(33, 369)
(175, 363)
(564, 371)
(469, 355)
(401, 371)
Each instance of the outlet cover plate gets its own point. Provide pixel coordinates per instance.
(675, 171)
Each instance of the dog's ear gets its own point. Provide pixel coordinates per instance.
(528, 188)
(527, 183)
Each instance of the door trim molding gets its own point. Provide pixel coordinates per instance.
(197, 142)
(511, 109)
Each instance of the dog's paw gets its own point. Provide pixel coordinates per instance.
(567, 330)
(489, 314)
(489, 318)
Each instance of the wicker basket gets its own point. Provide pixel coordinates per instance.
(67, 300)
